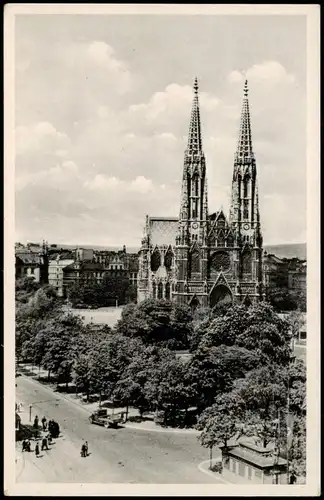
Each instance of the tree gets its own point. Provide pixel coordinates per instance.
(140, 380)
(156, 322)
(257, 328)
(61, 341)
(174, 390)
(221, 422)
(212, 370)
(297, 451)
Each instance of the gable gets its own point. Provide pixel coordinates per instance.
(163, 230)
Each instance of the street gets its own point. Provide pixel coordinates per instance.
(116, 455)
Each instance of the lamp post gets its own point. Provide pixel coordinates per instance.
(30, 409)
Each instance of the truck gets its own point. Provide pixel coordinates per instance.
(104, 418)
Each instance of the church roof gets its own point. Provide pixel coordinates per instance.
(163, 230)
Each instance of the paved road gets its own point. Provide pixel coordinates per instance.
(117, 456)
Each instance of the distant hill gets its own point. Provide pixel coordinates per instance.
(289, 250)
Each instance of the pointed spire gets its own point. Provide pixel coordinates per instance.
(194, 136)
(244, 147)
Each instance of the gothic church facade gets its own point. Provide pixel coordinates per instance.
(201, 258)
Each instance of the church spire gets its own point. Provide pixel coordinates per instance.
(194, 136)
(244, 152)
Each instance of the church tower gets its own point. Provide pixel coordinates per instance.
(191, 240)
(244, 214)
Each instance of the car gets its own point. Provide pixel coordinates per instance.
(105, 419)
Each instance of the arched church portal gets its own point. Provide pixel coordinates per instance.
(194, 303)
(221, 294)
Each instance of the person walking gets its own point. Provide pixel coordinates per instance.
(83, 450)
(37, 450)
(44, 444)
(36, 422)
(44, 423)
(86, 448)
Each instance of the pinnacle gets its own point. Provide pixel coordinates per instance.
(244, 147)
(194, 136)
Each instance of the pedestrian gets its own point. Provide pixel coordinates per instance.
(86, 448)
(83, 450)
(44, 423)
(37, 450)
(36, 422)
(44, 444)
(24, 443)
(49, 437)
(55, 429)
(293, 478)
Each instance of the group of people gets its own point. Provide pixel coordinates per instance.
(53, 427)
(53, 432)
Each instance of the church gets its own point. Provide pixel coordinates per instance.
(200, 258)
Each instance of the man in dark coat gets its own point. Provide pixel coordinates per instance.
(36, 422)
(44, 423)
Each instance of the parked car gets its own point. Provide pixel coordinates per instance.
(104, 418)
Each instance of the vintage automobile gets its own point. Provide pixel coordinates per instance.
(102, 417)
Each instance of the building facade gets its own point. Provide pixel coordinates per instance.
(55, 271)
(202, 259)
(31, 261)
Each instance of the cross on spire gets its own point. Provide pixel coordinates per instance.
(244, 147)
(194, 136)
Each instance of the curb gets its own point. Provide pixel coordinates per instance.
(170, 431)
(126, 425)
(202, 468)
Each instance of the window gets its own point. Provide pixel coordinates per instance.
(258, 473)
(249, 472)
(245, 209)
(155, 260)
(167, 291)
(168, 260)
(245, 188)
(195, 262)
(247, 262)
(194, 209)
(241, 469)
(233, 465)
(154, 291)
(160, 291)
(196, 186)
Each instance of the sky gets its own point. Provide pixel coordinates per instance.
(102, 108)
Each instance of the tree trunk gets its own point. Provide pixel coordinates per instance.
(210, 457)
(126, 412)
(49, 375)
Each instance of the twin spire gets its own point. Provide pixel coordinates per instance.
(244, 150)
(194, 137)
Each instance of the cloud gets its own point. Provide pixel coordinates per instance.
(268, 72)
(103, 182)
(95, 152)
(38, 136)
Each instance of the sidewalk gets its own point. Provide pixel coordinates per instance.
(146, 425)
(62, 463)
